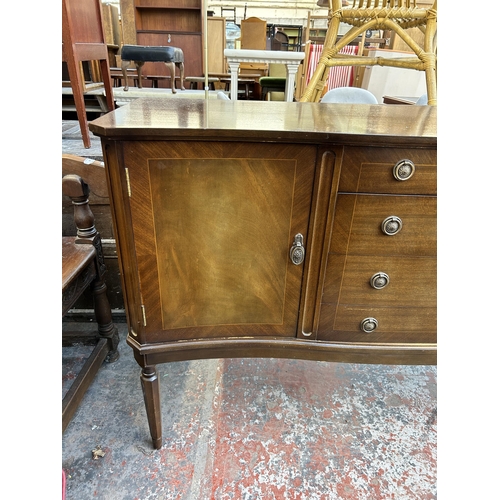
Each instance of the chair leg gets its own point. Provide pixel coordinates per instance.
(151, 391)
(106, 327)
(430, 71)
(108, 87)
(316, 85)
(77, 85)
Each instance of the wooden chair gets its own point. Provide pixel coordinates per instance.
(394, 15)
(83, 267)
(275, 82)
(254, 37)
(84, 40)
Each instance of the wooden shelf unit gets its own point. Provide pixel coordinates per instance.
(180, 24)
(293, 31)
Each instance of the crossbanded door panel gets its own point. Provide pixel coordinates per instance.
(213, 224)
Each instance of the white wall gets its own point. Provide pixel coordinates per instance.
(274, 12)
(386, 80)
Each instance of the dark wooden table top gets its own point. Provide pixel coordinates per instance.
(392, 99)
(213, 119)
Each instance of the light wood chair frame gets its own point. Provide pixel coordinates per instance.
(395, 15)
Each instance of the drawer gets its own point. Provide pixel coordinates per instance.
(395, 324)
(357, 227)
(372, 170)
(248, 67)
(411, 281)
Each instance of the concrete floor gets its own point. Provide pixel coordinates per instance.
(72, 142)
(253, 429)
(256, 429)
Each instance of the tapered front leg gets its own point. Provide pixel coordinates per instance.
(151, 391)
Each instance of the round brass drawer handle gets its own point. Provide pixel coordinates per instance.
(369, 325)
(392, 225)
(403, 170)
(379, 280)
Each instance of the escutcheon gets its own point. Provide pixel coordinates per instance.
(369, 325)
(379, 280)
(297, 252)
(391, 225)
(403, 170)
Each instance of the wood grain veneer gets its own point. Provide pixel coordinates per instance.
(207, 199)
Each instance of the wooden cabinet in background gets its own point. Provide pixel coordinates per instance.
(112, 32)
(244, 237)
(179, 23)
(216, 36)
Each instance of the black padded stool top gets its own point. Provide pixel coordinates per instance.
(152, 54)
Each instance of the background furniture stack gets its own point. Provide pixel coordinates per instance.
(397, 16)
(84, 40)
(216, 37)
(160, 23)
(253, 36)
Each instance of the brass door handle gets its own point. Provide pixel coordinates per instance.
(297, 252)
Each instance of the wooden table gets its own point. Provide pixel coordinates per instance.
(389, 99)
(290, 59)
(273, 229)
(244, 84)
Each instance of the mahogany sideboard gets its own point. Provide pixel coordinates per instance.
(273, 229)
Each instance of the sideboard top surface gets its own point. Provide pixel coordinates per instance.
(213, 119)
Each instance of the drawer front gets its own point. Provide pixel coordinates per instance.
(395, 324)
(381, 281)
(357, 228)
(389, 171)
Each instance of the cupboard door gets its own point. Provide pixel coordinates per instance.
(213, 225)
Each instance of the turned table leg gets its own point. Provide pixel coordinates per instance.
(151, 391)
(106, 328)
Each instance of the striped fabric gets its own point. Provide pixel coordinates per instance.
(340, 76)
